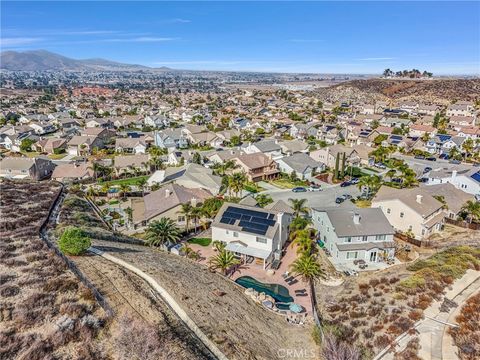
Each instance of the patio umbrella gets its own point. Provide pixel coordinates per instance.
(295, 308)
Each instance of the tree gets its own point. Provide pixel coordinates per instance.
(124, 188)
(26, 144)
(186, 210)
(129, 212)
(235, 140)
(141, 184)
(197, 158)
(211, 206)
(263, 200)
(454, 153)
(305, 241)
(74, 241)
(196, 214)
(307, 267)
(372, 183)
(298, 206)
(92, 192)
(237, 182)
(468, 146)
(472, 210)
(224, 260)
(161, 232)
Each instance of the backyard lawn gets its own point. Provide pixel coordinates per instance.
(288, 184)
(128, 181)
(200, 241)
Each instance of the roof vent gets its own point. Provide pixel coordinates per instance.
(167, 193)
(356, 218)
(419, 199)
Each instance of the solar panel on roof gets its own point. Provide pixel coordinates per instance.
(396, 137)
(271, 216)
(444, 137)
(476, 176)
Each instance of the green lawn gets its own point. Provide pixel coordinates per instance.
(128, 181)
(200, 241)
(57, 156)
(253, 187)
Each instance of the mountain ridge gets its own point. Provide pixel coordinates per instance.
(43, 60)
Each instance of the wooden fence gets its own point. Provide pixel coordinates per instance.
(416, 242)
(463, 224)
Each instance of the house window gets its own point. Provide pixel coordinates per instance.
(235, 234)
(423, 231)
(380, 237)
(181, 219)
(261, 240)
(410, 228)
(352, 254)
(227, 232)
(388, 211)
(348, 239)
(364, 238)
(402, 214)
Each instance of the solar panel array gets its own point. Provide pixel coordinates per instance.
(252, 221)
(444, 138)
(476, 176)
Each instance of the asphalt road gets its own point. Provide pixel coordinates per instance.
(318, 199)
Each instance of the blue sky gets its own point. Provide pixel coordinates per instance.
(323, 37)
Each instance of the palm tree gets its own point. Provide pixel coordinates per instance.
(306, 244)
(298, 206)
(308, 268)
(129, 212)
(224, 260)
(468, 146)
(186, 210)
(92, 192)
(161, 232)
(454, 153)
(237, 181)
(263, 200)
(141, 184)
(124, 188)
(472, 209)
(372, 183)
(197, 213)
(390, 173)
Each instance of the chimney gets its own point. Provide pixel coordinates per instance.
(419, 199)
(193, 202)
(454, 173)
(167, 193)
(356, 218)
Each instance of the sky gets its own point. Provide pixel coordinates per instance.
(318, 37)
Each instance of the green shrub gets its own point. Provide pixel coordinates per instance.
(73, 241)
(200, 241)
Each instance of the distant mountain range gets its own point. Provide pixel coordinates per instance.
(42, 60)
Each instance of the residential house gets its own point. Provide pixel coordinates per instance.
(412, 211)
(271, 148)
(252, 232)
(73, 172)
(171, 138)
(450, 196)
(328, 155)
(358, 234)
(166, 202)
(419, 130)
(131, 145)
(131, 163)
(466, 179)
(98, 122)
(301, 164)
(430, 110)
(257, 166)
(191, 176)
(303, 131)
(158, 121)
(81, 145)
(207, 138)
(51, 145)
(26, 168)
(291, 147)
(461, 109)
(42, 128)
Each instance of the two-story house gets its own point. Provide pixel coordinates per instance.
(257, 166)
(358, 234)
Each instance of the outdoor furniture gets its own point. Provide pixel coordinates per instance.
(294, 281)
(300, 291)
(285, 274)
(288, 279)
(275, 264)
(301, 294)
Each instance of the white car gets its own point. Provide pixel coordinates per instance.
(314, 188)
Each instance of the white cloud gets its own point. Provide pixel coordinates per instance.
(18, 41)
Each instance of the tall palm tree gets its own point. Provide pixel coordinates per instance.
(142, 183)
(306, 244)
(372, 183)
(224, 260)
(186, 210)
(161, 232)
(472, 209)
(124, 188)
(129, 212)
(308, 268)
(237, 181)
(197, 213)
(298, 206)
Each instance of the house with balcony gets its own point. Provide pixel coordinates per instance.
(257, 166)
(252, 232)
(357, 234)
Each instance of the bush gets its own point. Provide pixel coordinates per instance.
(74, 241)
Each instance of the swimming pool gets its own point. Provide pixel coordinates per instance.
(278, 292)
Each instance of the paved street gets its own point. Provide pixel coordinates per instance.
(320, 199)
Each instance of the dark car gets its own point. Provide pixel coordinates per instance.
(456, 162)
(346, 183)
(339, 200)
(299, 189)
(444, 156)
(347, 196)
(431, 158)
(421, 157)
(427, 169)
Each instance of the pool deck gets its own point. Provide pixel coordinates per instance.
(257, 272)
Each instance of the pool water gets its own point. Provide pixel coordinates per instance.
(278, 292)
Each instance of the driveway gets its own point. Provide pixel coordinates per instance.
(318, 199)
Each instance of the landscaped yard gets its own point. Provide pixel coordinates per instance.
(200, 241)
(253, 187)
(57, 156)
(128, 181)
(288, 184)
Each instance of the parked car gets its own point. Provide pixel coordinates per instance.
(431, 158)
(420, 157)
(347, 196)
(339, 200)
(456, 162)
(427, 169)
(355, 181)
(314, 188)
(380, 165)
(443, 156)
(299, 189)
(345, 183)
